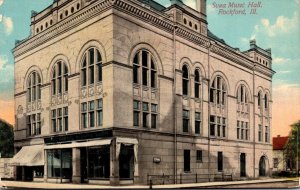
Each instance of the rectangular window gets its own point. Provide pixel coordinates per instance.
(199, 155)
(99, 162)
(153, 116)
(220, 161)
(197, 122)
(136, 113)
(29, 125)
(242, 130)
(145, 76)
(212, 125)
(238, 130)
(224, 127)
(145, 114)
(60, 163)
(54, 120)
(185, 121)
(84, 115)
(187, 160)
(99, 112)
(259, 133)
(135, 74)
(266, 134)
(66, 122)
(246, 131)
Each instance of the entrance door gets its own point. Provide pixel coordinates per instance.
(126, 161)
(243, 164)
(262, 166)
(83, 165)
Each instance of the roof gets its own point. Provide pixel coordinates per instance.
(279, 142)
(213, 36)
(155, 5)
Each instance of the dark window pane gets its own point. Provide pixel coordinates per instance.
(211, 96)
(99, 67)
(135, 74)
(199, 155)
(91, 56)
(91, 74)
(185, 125)
(83, 77)
(197, 88)
(185, 86)
(197, 127)
(145, 59)
(92, 119)
(153, 121)
(145, 121)
(187, 161)
(136, 118)
(100, 117)
(99, 162)
(220, 161)
(153, 78)
(66, 123)
(145, 76)
(212, 129)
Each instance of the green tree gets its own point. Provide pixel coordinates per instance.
(6, 139)
(292, 148)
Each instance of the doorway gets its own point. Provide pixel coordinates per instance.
(243, 165)
(126, 162)
(83, 165)
(262, 166)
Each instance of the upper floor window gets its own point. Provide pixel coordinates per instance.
(218, 91)
(185, 80)
(197, 84)
(91, 67)
(92, 114)
(34, 124)
(242, 96)
(59, 81)
(266, 101)
(259, 99)
(59, 119)
(34, 87)
(144, 69)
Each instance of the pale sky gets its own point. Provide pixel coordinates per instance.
(276, 26)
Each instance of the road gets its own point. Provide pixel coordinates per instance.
(285, 184)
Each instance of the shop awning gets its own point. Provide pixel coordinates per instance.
(29, 156)
(80, 144)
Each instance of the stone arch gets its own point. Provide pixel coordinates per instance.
(264, 166)
(242, 82)
(154, 53)
(85, 47)
(186, 61)
(59, 57)
(29, 71)
(220, 73)
(199, 66)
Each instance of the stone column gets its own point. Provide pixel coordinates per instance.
(45, 166)
(114, 164)
(76, 177)
(136, 164)
(23, 173)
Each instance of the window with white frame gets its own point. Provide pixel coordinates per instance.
(217, 126)
(59, 80)
(144, 69)
(92, 114)
(185, 81)
(34, 124)
(59, 120)
(197, 84)
(218, 91)
(91, 67)
(33, 87)
(185, 121)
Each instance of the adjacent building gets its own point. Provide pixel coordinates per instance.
(110, 91)
(280, 162)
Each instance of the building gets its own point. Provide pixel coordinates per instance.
(280, 163)
(110, 91)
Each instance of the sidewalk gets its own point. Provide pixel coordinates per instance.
(37, 185)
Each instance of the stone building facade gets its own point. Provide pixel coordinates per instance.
(110, 91)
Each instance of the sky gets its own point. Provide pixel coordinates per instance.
(275, 25)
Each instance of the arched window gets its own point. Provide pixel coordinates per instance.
(143, 59)
(33, 87)
(218, 91)
(259, 99)
(197, 84)
(242, 96)
(266, 101)
(91, 67)
(185, 80)
(59, 81)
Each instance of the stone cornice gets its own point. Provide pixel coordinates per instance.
(69, 23)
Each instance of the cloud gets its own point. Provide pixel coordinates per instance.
(1, 17)
(1, 2)
(8, 25)
(282, 25)
(284, 72)
(190, 3)
(280, 60)
(6, 71)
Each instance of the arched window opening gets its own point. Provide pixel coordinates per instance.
(34, 87)
(218, 91)
(91, 67)
(59, 80)
(148, 73)
(197, 84)
(266, 101)
(259, 99)
(185, 80)
(242, 94)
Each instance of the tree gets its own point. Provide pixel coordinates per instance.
(292, 148)
(6, 139)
